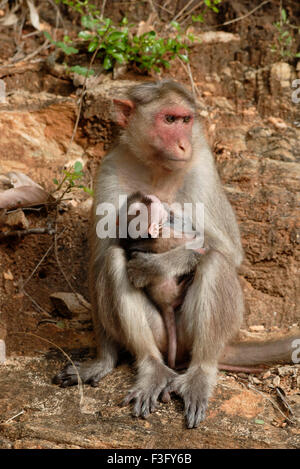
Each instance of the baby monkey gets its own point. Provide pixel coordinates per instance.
(165, 292)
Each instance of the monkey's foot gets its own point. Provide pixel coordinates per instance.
(194, 387)
(90, 372)
(153, 378)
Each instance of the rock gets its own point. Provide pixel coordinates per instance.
(285, 370)
(8, 275)
(97, 109)
(276, 381)
(16, 220)
(281, 77)
(69, 305)
(277, 122)
(212, 37)
(258, 328)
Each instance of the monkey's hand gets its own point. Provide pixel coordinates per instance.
(153, 378)
(194, 387)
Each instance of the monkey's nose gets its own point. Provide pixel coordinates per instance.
(182, 146)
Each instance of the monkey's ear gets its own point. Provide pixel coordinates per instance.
(124, 109)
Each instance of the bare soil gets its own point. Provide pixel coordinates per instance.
(244, 99)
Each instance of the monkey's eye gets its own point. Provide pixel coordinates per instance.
(170, 119)
(186, 119)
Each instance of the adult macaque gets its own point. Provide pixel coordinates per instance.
(162, 151)
(165, 292)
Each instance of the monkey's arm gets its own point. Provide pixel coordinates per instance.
(143, 266)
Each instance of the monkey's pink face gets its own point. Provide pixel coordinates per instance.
(172, 135)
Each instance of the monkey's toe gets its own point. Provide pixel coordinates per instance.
(90, 372)
(195, 413)
(68, 376)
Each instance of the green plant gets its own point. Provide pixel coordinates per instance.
(283, 38)
(68, 182)
(209, 5)
(118, 44)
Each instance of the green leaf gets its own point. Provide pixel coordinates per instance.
(55, 181)
(175, 25)
(68, 50)
(259, 422)
(183, 57)
(88, 22)
(60, 324)
(88, 190)
(107, 63)
(85, 35)
(77, 167)
(82, 70)
(198, 18)
(115, 36)
(283, 14)
(93, 46)
(48, 36)
(119, 57)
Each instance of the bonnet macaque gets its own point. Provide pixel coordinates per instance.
(162, 151)
(165, 292)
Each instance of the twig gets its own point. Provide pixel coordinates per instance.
(81, 99)
(102, 8)
(162, 7)
(43, 258)
(20, 233)
(188, 70)
(182, 10)
(46, 45)
(14, 417)
(272, 402)
(39, 308)
(80, 387)
(64, 275)
(191, 11)
(243, 16)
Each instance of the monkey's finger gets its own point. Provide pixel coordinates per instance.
(130, 396)
(190, 415)
(153, 404)
(165, 396)
(145, 408)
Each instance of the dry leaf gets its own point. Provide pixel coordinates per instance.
(19, 179)
(34, 16)
(23, 196)
(9, 20)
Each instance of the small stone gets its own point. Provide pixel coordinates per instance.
(277, 122)
(256, 380)
(285, 370)
(267, 375)
(276, 381)
(8, 275)
(257, 328)
(16, 220)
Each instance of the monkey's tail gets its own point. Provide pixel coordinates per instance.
(285, 350)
